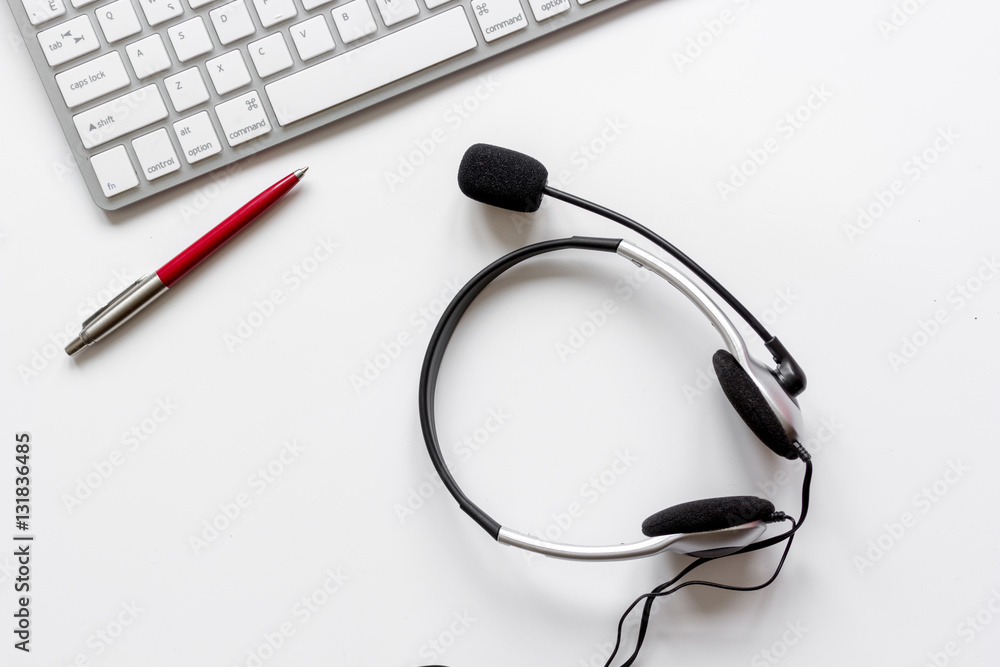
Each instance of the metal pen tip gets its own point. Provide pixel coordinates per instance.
(299, 173)
(75, 346)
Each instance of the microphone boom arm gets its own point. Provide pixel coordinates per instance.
(789, 373)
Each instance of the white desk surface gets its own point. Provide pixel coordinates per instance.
(897, 563)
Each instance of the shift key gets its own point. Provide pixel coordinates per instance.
(120, 116)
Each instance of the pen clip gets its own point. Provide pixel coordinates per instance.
(115, 301)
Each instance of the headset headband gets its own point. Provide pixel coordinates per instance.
(703, 542)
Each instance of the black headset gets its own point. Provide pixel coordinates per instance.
(764, 397)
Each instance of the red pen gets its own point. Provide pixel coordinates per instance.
(143, 291)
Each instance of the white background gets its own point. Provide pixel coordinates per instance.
(859, 585)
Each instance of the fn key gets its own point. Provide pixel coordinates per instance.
(114, 171)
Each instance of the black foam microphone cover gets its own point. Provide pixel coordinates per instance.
(502, 177)
(751, 405)
(699, 516)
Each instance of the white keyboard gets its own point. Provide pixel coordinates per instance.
(152, 93)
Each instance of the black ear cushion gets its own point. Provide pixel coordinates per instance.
(709, 514)
(751, 404)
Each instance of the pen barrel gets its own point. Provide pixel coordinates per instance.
(219, 235)
(139, 295)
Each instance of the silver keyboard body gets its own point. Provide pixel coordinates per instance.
(528, 29)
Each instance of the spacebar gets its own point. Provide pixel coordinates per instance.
(371, 66)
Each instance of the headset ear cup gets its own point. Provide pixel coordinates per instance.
(707, 514)
(751, 405)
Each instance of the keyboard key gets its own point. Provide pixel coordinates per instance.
(270, 54)
(544, 9)
(158, 11)
(395, 11)
(354, 21)
(190, 39)
(120, 116)
(228, 72)
(81, 3)
(272, 12)
(243, 118)
(40, 11)
(118, 20)
(432, 4)
(68, 40)
(186, 89)
(115, 171)
(371, 66)
(499, 18)
(197, 137)
(313, 4)
(195, 4)
(148, 56)
(312, 37)
(92, 79)
(232, 22)
(156, 154)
